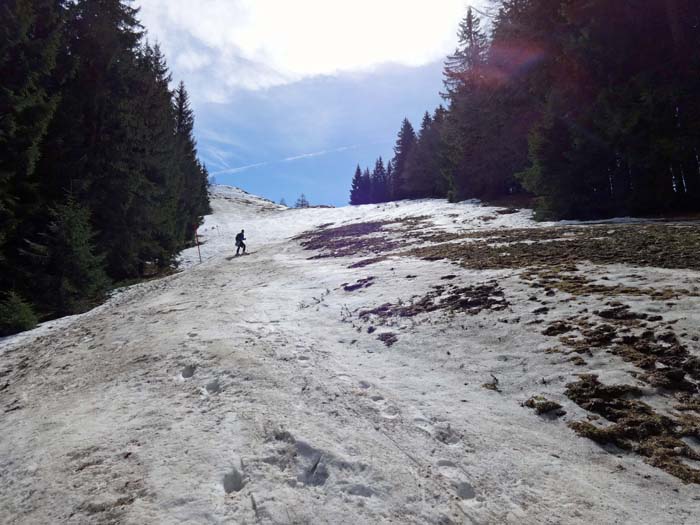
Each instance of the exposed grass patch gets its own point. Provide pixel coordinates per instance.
(492, 385)
(563, 279)
(543, 406)
(469, 299)
(367, 262)
(388, 338)
(636, 426)
(361, 283)
(348, 240)
(659, 245)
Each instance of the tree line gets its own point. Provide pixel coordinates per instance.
(99, 176)
(592, 108)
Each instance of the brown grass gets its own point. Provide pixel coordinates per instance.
(636, 427)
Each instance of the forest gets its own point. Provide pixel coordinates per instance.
(590, 109)
(100, 183)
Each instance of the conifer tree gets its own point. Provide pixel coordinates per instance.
(92, 149)
(73, 277)
(31, 40)
(366, 186)
(378, 183)
(404, 144)
(356, 196)
(302, 202)
(86, 110)
(463, 66)
(389, 179)
(16, 314)
(422, 174)
(594, 117)
(156, 208)
(193, 198)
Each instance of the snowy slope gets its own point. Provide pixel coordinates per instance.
(253, 390)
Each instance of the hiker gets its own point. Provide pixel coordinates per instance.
(239, 242)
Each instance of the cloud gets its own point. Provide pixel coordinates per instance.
(223, 45)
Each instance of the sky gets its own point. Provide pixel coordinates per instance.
(290, 95)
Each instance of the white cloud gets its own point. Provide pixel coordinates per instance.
(222, 45)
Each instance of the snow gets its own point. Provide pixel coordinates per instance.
(247, 390)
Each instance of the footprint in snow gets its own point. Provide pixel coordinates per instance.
(213, 387)
(386, 409)
(233, 481)
(449, 470)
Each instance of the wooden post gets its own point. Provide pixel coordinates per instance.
(196, 238)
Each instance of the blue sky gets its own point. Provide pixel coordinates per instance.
(308, 136)
(290, 96)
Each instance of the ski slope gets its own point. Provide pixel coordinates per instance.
(253, 390)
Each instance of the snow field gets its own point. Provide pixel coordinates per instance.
(250, 390)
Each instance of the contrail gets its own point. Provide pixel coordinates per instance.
(239, 169)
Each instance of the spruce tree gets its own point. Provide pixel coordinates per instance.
(16, 315)
(378, 183)
(31, 42)
(356, 196)
(155, 210)
(92, 148)
(73, 277)
(194, 199)
(462, 68)
(302, 202)
(422, 174)
(404, 144)
(366, 186)
(389, 179)
(86, 110)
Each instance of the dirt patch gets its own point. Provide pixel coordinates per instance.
(663, 356)
(658, 245)
(492, 385)
(469, 299)
(388, 338)
(557, 328)
(543, 406)
(377, 237)
(367, 262)
(636, 426)
(663, 359)
(352, 239)
(564, 279)
(361, 283)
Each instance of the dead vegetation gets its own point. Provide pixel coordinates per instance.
(492, 385)
(550, 260)
(663, 359)
(388, 338)
(657, 245)
(566, 279)
(637, 427)
(352, 239)
(665, 364)
(377, 237)
(367, 262)
(543, 406)
(469, 299)
(361, 283)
